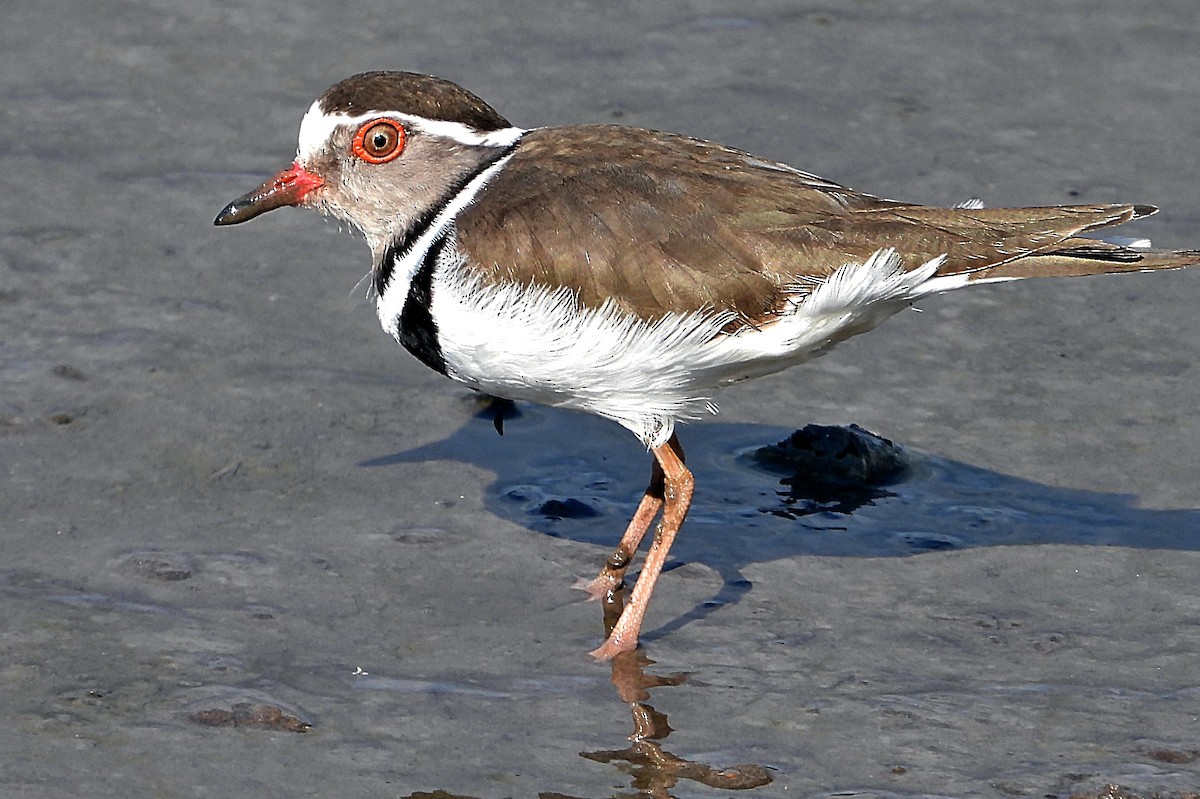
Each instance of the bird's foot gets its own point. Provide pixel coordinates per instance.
(614, 645)
(600, 587)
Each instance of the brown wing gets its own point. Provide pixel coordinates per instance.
(659, 222)
(655, 221)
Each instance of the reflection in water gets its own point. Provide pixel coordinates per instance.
(652, 770)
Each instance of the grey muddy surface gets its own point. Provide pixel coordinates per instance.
(249, 547)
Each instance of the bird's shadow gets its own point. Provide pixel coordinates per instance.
(578, 477)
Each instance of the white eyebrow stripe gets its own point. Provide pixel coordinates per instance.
(317, 127)
(464, 134)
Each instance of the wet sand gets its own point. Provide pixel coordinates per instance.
(252, 548)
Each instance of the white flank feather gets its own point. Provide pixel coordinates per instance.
(536, 343)
(854, 299)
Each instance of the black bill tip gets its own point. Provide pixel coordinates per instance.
(289, 187)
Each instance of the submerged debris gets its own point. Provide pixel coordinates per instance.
(834, 457)
(245, 714)
(832, 468)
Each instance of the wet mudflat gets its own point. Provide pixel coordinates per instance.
(249, 547)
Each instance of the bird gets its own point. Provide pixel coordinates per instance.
(632, 273)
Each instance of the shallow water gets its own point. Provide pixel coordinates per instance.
(747, 512)
(250, 548)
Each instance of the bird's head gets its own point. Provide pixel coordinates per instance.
(384, 151)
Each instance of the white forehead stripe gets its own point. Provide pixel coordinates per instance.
(317, 127)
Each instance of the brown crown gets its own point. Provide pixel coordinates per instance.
(411, 93)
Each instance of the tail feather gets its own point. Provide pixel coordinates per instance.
(1076, 256)
(1076, 265)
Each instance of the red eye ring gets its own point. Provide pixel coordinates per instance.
(379, 141)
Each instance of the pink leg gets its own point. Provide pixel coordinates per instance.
(612, 575)
(678, 484)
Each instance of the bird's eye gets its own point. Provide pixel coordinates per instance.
(379, 141)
